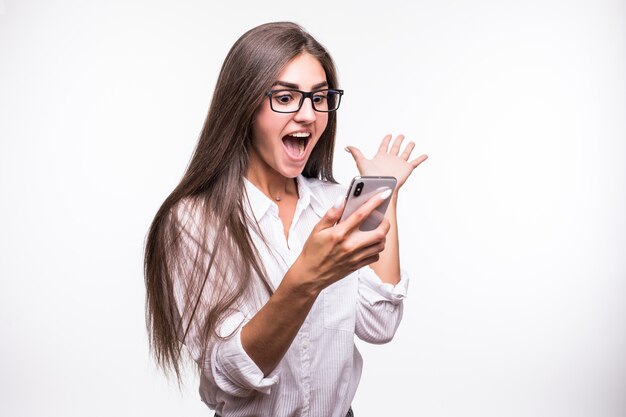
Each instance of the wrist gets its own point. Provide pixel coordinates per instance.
(300, 282)
(393, 201)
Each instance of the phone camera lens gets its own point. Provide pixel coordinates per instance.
(358, 189)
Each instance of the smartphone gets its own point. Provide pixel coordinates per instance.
(362, 189)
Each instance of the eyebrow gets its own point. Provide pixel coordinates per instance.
(296, 86)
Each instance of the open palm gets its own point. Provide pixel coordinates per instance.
(388, 161)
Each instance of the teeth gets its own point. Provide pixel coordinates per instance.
(300, 134)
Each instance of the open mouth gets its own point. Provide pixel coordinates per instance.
(295, 144)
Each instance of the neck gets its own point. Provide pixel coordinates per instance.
(272, 184)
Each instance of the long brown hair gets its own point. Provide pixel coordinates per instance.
(223, 262)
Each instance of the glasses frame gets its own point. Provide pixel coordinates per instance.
(304, 96)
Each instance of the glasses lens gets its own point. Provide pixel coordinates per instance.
(285, 101)
(326, 100)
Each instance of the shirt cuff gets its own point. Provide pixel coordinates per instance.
(235, 372)
(373, 290)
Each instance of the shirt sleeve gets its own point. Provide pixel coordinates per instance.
(234, 372)
(226, 363)
(379, 306)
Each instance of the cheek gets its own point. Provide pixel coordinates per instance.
(260, 135)
(322, 123)
(267, 124)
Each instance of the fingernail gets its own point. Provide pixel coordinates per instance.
(339, 202)
(385, 194)
(346, 149)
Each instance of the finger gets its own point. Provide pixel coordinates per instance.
(356, 153)
(332, 215)
(365, 243)
(395, 149)
(377, 235)
(383, 227)
(356, 218)
(372, 250)
(417, 161)
(407, 151)
(384, 145)
(367, 261)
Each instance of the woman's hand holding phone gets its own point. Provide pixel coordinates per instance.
(334, 250)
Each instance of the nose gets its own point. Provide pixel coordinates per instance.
(306, 114)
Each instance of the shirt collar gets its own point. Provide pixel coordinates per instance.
(307, 196)
(260, 204)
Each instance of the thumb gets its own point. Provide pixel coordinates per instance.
(333, 214)
(356, 154)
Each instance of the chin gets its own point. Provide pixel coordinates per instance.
(291, 169)
(291, 173)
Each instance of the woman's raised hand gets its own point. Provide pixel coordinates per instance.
(388, 161)
(333, 251)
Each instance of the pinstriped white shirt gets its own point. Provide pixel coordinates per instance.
(319, 374)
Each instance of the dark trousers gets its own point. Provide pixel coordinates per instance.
(350, 413)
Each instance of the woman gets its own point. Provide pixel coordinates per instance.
(245, 265)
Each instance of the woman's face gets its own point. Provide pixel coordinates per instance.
(282, 142)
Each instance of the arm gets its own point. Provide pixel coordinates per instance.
(268, 335)
(388, 266)
(389, 162)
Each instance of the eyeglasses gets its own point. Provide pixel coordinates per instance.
(290, 100)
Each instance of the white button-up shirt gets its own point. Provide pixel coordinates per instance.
(319, 374)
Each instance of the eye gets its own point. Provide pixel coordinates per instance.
(319, 98)
(283, 98)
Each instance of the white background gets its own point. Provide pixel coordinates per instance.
(513, 231)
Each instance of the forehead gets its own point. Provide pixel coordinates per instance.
(304, 70)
